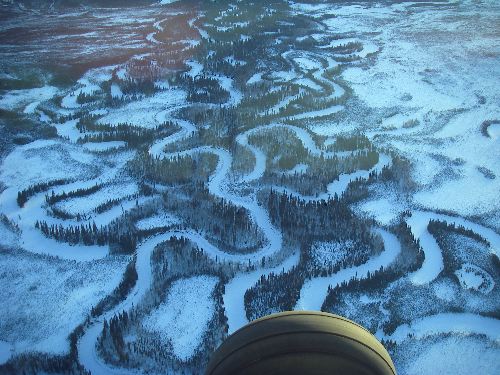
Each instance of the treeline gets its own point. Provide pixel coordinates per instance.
(89, 235)
(203, 89)
(374, 281)
(80, 192)
(435, 226)
(87, 123)
(112, 337)
(24, 195)
(133, 135)
(322, 172)
(322, 220)
(83, 98)
(167, 171)
(274, 293)
(229, 227)
(41, 363)
(351, 143)
(412, 256)
(119, 293)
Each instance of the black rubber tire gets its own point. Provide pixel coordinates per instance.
(301, 342)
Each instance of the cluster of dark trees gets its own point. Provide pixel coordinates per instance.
(203, 89)
(485, 125)
(89, 235)
(229, 226)
(144, 86)
(321, 171)
(435, 226)
(412, 255)
(134, 136)
(373, 281)
(40, 363)
(274, 293)
(441, 231)
(351, 143)
(348, 48)
(81, 192)
(166, 171)
(322, 220)
(112, 337)
(83, 98)
(24, 195)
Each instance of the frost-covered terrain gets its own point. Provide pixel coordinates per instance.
(172, 170)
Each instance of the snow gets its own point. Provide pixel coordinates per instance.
(8, 238)
(306, 63)
(28, 99)
(473, 277)
(227, 83)
(122, 74)
(309, 83)
(87, 88)
(298, 169)
(87, 203)
(283, 76)
(464, 323)
(184, 316)
(314, 291)
(283, 104)
(494, 130)
(34, 241)
(455, 355)
(67, 290)
(5, 352)
(235, 289)
(44, 160)
(481, 196)
(157, 221)
(433, 262)
(338, 187)
(330, 253)
(384, 210)
(234, 62)
(257, 77)
(165, 2)
(147, 112)
(410, 78)
(69, 130)
(317, 114)
(116, 92)
(195, 68)
(260, 157)
(445, 290)
(104, 146)
(187, 129)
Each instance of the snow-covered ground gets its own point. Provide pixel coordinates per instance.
(473, 277)
(26, 100)
(5, 351)
(184, 316)
(88, 203)
(157, 221)
(314, 291)
(420, 81)
(454, 355)
(449, 322)
(433, 262)
(148, 112)
(68, 290)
